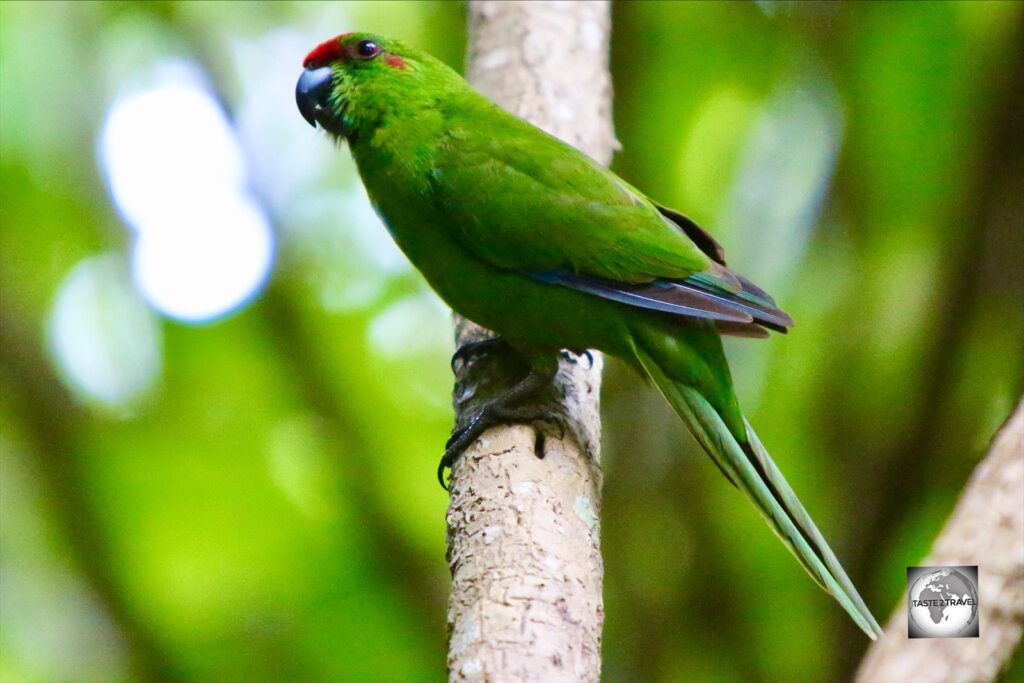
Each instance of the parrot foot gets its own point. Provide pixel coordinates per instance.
(463, 438)
(572, 356)
(478, 349)
(502, 410)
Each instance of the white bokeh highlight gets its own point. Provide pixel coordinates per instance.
(203, 245)
(106, 342)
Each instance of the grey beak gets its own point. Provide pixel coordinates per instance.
(312, 91)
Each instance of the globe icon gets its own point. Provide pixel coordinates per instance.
(943, 603)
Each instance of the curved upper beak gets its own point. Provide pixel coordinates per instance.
(312, 91)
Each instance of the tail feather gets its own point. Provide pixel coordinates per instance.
(810, 532)
(750, 468)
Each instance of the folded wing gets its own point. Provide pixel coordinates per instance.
(549, 211)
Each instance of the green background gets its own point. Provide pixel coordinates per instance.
(258, 502)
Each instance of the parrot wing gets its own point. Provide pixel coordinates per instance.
(551, 212)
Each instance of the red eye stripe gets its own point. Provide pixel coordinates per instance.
(326, 52)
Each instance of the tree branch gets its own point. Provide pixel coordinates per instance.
(523, 533)
(987, 529)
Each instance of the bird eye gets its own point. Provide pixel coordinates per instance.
(367, 49)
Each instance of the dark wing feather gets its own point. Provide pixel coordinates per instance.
(748, 330)
(755, 292)
(658, 295)
(698, 235)
(760, 306)
(692, 297)
(720, 282)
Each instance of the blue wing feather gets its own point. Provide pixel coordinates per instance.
(695, 297)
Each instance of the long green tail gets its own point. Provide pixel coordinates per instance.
(751, 468)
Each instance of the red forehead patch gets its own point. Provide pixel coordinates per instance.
(326, 52)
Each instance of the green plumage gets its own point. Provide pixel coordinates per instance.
(530, 238)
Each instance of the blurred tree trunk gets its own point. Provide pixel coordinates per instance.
(53, 423)
(987, 528)
(524, 543)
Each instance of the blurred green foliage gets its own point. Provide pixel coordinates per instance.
(257, 500)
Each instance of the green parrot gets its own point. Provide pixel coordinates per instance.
(532, 239)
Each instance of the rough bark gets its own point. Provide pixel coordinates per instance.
(987, 529)
(523, 532)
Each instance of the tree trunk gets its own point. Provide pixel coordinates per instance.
(987, 529)
(523, 532)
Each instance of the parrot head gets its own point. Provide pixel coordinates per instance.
(355, 80)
